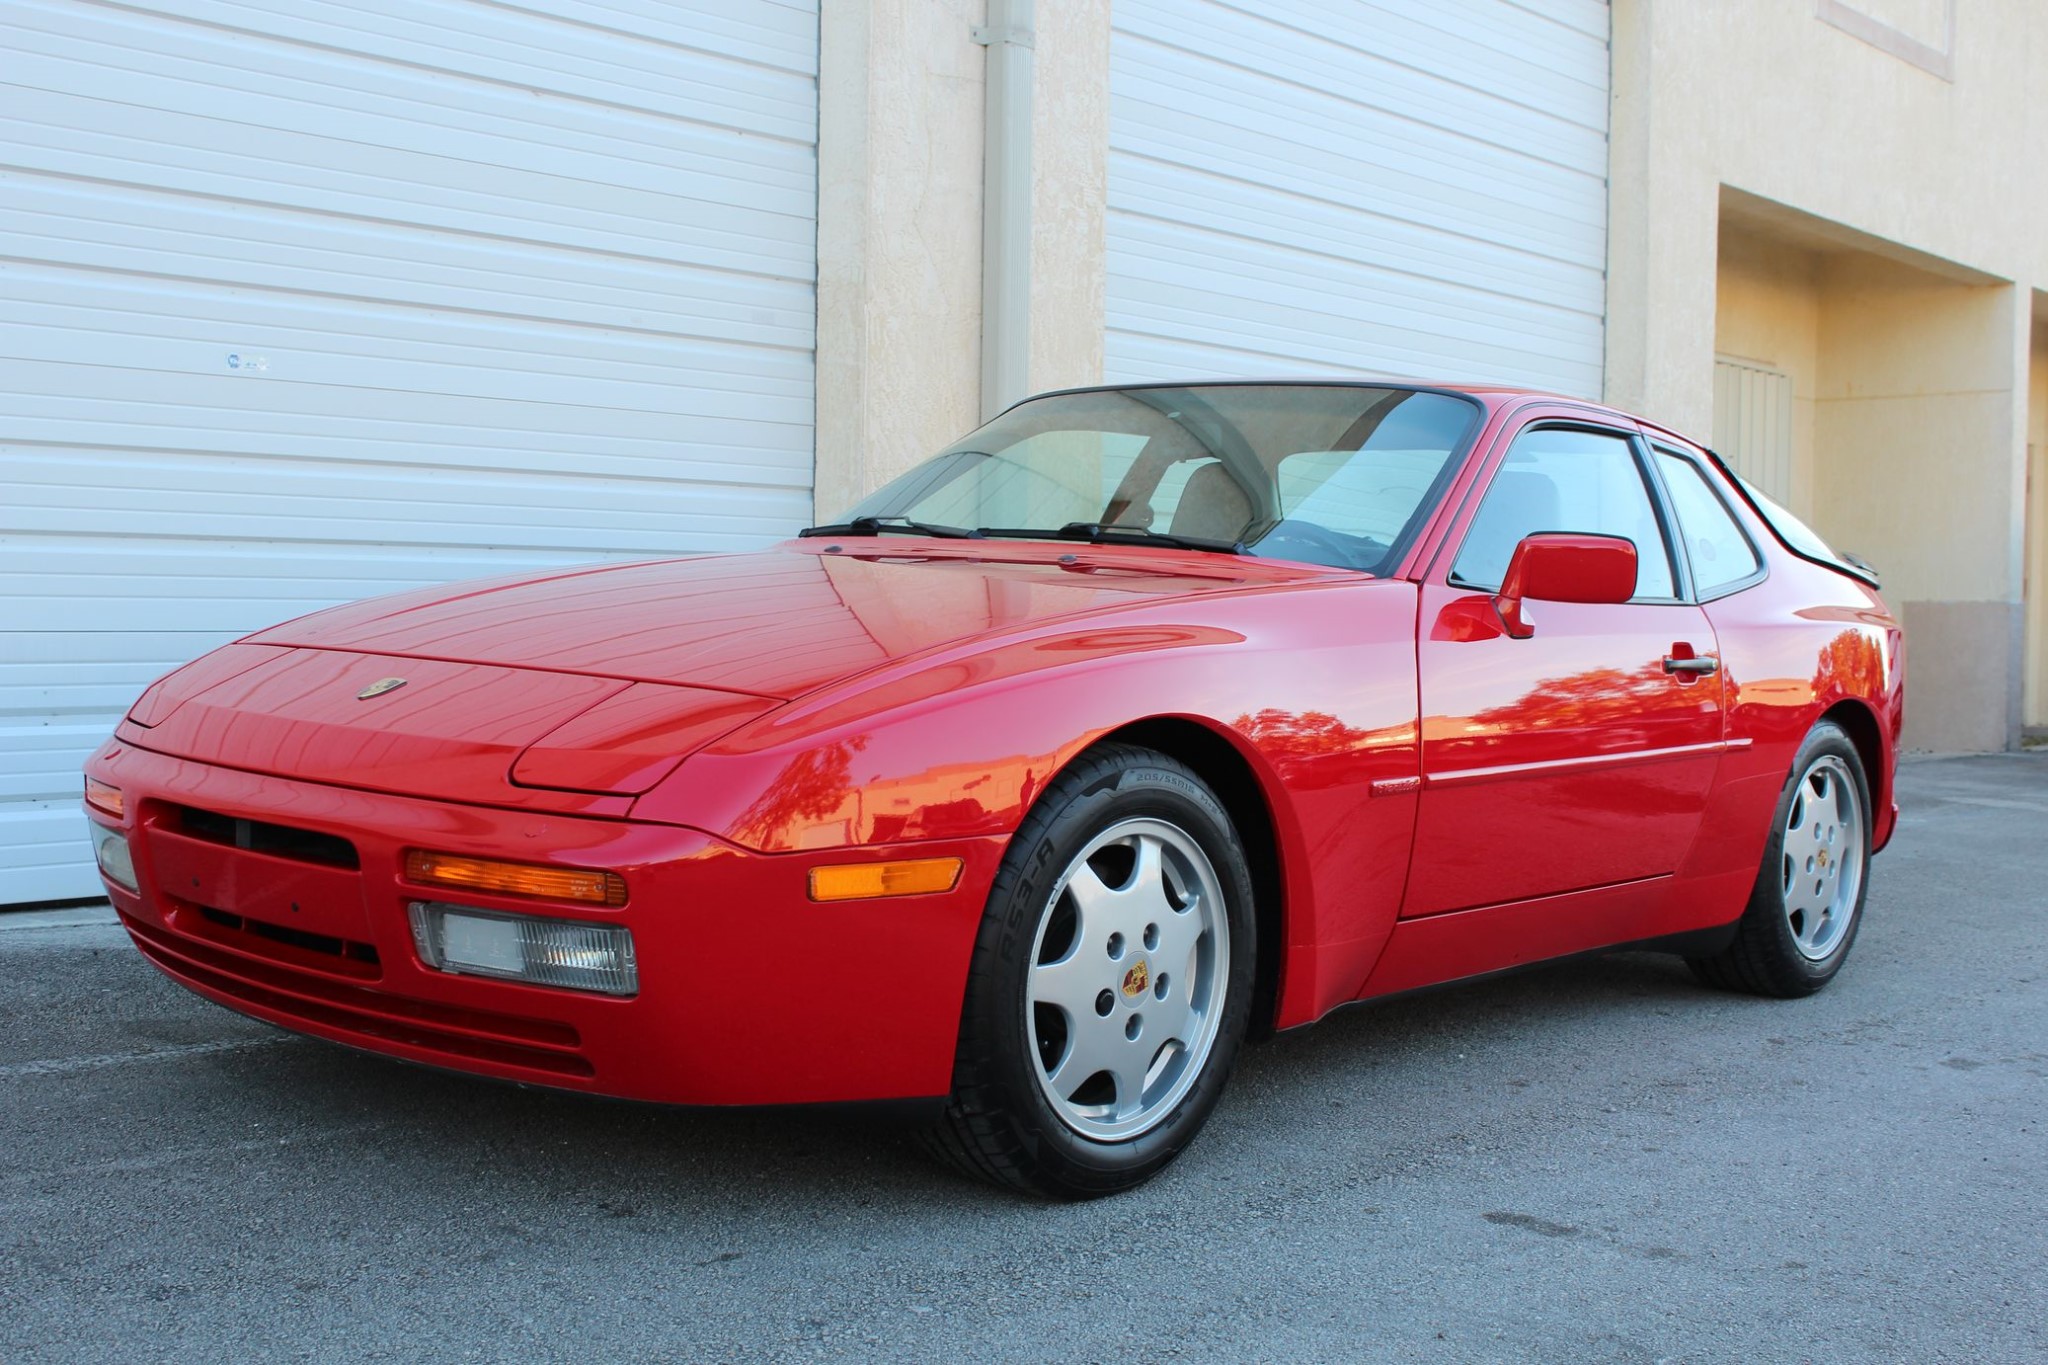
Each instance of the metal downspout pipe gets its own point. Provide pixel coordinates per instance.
(1006, 207)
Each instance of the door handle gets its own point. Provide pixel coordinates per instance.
(1698, 666)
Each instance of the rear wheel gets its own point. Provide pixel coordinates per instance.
(1111, 982)
(1804, 911)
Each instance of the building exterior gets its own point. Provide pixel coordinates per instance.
(304, 302)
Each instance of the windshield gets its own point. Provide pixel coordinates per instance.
(1340, 475)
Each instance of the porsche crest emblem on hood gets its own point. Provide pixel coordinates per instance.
(380, 687)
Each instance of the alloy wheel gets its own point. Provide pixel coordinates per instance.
(1823, 859)
(1129, 970)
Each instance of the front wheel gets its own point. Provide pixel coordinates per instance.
(1806, 906)
(1111, 982)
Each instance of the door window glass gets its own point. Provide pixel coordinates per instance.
(1714, 542)
(1557, 479)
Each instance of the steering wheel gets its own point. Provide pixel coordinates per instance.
(1306, 540)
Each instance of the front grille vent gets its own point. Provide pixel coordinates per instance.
(260, 836)
(297, 938)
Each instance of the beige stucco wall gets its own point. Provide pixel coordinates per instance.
(899, 237)
(1763, 96)
(1070, 192)
(1882, 241)
(2036, 704)
(1767, 311)
(901, 87)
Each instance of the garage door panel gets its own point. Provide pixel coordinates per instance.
(276, 342)
(726, 79)
(307, 301)
(64, 134)
(499, 172)
(169, 236)
(40, 762)
(782, 33)
(1325, 186)
(1183, 342)
(1547, 209)
(39, 851)
(326, 97)
(1448, 93)
(171, 412)
(1175, 200)
(420, 428)
(1475, 41)
(1274, 272)
(92, 492)
(1284, 336)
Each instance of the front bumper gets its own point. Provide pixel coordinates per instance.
(750, 993)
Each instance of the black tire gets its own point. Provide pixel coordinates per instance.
(1000, 1125)
(1765, 957)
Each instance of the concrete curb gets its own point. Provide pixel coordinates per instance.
(73, 917)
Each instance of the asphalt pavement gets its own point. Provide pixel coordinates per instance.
(1590, 1162)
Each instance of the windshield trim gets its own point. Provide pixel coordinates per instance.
(1291, 382)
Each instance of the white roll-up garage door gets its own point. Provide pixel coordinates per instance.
(303, 300)
(1336, 186)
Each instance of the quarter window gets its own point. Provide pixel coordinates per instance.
(1714, 542)
(1558, 479)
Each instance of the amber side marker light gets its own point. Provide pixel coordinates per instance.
(515, 879)
(104, 799)
(869, 881)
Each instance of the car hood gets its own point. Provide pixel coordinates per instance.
(600, 681)
(774, 624)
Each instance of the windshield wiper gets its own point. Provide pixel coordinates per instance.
(1096, 533)
(874, 526)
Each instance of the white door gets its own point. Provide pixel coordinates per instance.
(1343, 187)
(303, 301)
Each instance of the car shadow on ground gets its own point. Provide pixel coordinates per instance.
(628, 1160)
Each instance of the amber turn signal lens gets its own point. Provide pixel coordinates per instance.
(104, 799)
(867, 881)
(515, 879)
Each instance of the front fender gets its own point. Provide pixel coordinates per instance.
(1313, 683)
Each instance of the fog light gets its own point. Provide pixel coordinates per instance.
(572, 954)
(110, 847)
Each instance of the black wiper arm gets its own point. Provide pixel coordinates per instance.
(1097, 533)
(874, 526)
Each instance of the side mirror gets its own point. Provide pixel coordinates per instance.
(1554, 566)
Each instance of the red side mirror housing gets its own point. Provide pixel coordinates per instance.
(1556, 566)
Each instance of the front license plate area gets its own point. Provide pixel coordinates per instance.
(303, 896)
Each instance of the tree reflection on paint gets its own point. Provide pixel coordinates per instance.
(1315, 748)
(813, 785)
(1593, 698)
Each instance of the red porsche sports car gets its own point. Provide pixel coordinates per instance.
(1142, 720)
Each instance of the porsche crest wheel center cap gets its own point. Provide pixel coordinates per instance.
(1137, 980)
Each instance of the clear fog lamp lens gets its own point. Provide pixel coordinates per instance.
(116, 860)
(572, 954)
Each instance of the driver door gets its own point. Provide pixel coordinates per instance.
(1577, 758)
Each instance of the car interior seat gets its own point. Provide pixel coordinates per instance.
(1212, 506)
